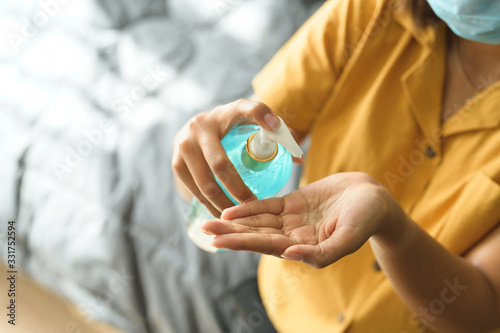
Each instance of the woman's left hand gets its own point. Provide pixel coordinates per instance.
(317, 224)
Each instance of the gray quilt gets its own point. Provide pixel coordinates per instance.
(92, 94)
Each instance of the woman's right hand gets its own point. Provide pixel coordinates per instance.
(198, 153)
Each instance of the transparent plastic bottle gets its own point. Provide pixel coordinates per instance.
(262, 158)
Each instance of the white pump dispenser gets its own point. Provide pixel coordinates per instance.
(262, 145)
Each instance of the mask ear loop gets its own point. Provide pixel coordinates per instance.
(460, 66)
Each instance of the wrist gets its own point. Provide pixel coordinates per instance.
(396, 230)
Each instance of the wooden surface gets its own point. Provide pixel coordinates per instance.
(40, 311)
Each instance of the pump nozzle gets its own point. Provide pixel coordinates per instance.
(263, 145)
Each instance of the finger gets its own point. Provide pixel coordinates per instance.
(298, 160)
(224, 170)
(272, 244)
(183, 174)
(341, 243)
(205, 182)
(244, 109)
(216, 227)
(257, 222)
(273, 206)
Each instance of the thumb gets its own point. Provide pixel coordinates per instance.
(324, 253)
(312, 255)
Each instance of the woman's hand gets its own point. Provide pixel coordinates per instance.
(198, 153)
(317, 224)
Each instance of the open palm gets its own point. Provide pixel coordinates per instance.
(317, 224)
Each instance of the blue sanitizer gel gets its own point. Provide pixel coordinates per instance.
(263, 164)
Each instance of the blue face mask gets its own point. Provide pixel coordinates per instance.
(477, 20)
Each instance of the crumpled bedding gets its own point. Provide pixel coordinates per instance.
(89, 106)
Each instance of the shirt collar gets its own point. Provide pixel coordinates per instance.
(480, 113)
(425, 36)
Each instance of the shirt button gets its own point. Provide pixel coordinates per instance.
(341, 318)
(430, 152)
(376, 267)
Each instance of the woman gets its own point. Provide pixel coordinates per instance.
(400, 198)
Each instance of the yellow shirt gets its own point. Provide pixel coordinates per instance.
(367, 86)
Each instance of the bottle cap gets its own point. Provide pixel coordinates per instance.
(263, 145)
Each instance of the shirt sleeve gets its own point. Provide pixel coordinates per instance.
(299, 79)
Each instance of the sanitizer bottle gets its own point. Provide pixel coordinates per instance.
(263, 159)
